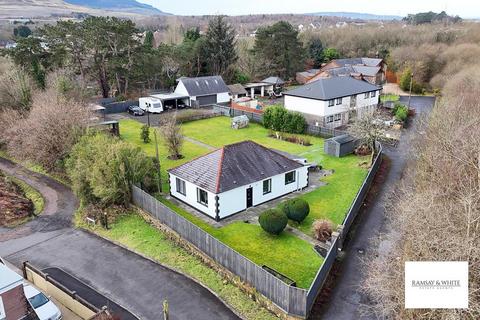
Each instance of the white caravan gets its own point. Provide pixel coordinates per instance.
(150, 104)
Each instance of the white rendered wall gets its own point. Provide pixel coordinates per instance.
(190, 196)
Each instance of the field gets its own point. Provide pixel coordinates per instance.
(331, 201)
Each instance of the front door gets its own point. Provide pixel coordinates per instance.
(249, 197)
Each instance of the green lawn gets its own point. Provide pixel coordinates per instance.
(134, 232)
(286, 253)
(331, 201)
(389, 97)
(130, 131)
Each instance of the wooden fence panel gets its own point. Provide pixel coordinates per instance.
(292, 300)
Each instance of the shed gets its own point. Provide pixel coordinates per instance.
(240, 122)
(340, 146)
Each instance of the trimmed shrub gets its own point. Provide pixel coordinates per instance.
(296, 209)
(322, 229)
(145, 134)
(278, 118)
(273, 221)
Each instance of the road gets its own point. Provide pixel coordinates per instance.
(346, 298)
(135, 283)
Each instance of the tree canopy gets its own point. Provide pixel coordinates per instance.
(279, 50)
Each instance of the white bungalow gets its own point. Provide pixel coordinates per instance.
(236, 177)
(330, 102)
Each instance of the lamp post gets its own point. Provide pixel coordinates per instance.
(410, 93)
(159, 180)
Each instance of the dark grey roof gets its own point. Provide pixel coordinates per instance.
(274, 80)
(233, 166)
(331, 88)
(237, 89)
(344, 138)
(367, 70)
(202, 86)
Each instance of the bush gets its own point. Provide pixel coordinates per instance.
(103, 168)
(278, 118)
(322, 229)
(296, 209)
(145, 134)
(273, 221)
(400, 112)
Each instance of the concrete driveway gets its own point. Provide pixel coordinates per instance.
(346, 298)
(136, 283)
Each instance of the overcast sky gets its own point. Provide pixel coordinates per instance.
(464, 8)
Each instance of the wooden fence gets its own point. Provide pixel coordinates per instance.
(294, 301)
(68, 298)
(361, 194)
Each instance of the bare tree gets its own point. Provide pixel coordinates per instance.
(46, 135)
(172, 136)
(369, 129)
(435, 214)
(15, 87)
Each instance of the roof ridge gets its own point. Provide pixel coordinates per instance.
(219, 172)
(196, 158)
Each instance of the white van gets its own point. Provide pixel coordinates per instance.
(151, 105)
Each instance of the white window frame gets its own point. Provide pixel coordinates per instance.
(294, 173)
(269, 188)
(331, 103)
(199, 198)
(338, 101)
(373, 94)
(181, 186)
(367, 95)
(329, 119)
(337, 117)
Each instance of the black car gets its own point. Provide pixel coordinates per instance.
(136, 111)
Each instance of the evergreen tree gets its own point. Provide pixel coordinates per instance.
(315, 52)
(220, 46)
(148, 42)
(280, 50)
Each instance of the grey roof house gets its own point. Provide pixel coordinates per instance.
(235, 177)
(203, 90)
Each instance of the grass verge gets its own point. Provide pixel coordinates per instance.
(134, 232)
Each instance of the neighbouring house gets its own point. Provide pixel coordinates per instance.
(331, 102)
(233, 178)
(237, 91)
(303, 77)
(13, 304)
(203, 91)
(372, 70)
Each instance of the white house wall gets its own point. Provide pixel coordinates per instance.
(235, 200)
(190, 196)
(362, 102)
(303, 105)
(223, 97)
(181, 89)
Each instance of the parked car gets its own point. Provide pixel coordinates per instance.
(136, 111)
(41, 304)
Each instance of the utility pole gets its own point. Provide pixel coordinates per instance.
(159, 180)
(410, 94)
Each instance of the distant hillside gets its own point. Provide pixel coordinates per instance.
(55, 8)
(356, 15)
(118, 5)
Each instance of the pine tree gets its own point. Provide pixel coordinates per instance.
(220, 46)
